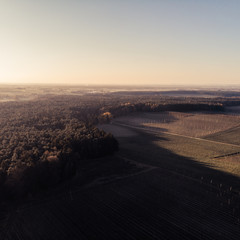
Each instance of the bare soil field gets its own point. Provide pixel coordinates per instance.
(228, 136)
(189, 124)
(231, 162)
(179, 198)
(204, 151)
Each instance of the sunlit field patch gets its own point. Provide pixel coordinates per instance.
(189, 124)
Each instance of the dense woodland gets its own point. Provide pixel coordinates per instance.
(43, 141)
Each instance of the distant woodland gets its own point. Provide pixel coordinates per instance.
(43, 141)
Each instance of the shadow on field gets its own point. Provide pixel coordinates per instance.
(142, 148)
(179, 198)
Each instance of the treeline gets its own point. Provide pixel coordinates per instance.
(127, 108)
(231, 103)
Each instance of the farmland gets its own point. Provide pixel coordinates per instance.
(178, 198)
(188, 135)
(228, 136)
(175, 174)
(189, 124)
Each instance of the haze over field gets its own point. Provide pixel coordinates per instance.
(120, 42)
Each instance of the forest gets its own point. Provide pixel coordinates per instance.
(42, 144)
(119, 164)
(44, 140)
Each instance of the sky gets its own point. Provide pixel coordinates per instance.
(160, 42)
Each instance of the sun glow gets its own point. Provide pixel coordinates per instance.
(119, 42)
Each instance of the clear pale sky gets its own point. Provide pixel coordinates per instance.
(120, 42)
